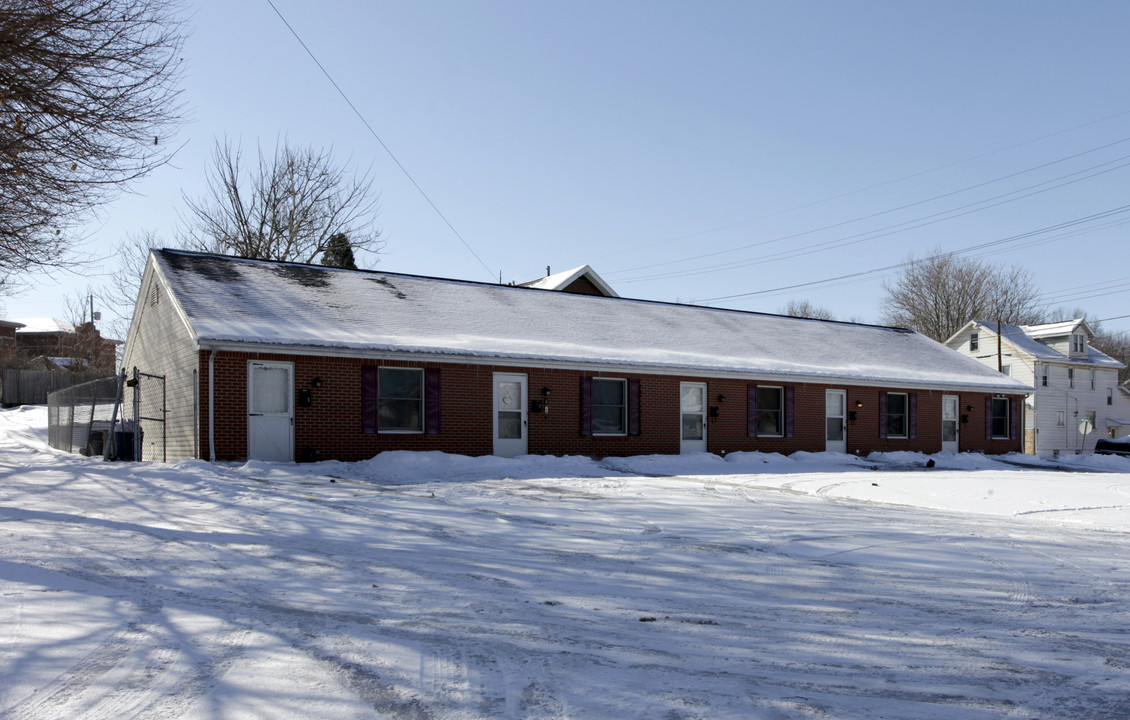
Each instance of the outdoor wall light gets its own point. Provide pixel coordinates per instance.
(316, 382)
(721, 398)
(859, 403)
(968, 408)
(545, 391)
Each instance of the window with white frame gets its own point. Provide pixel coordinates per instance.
(1006, 370)
(609, 406)
(1110, 396)
(973, 341)
(1092, 379)
(1044, 375)
(1000, 419)
(1071, 378)
(897, 415)
(1078, 343)
(1060, 418)
(770, 411)
(400, 400)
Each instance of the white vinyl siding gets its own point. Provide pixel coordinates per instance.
(163, 346)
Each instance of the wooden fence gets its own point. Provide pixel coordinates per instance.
(30, 387)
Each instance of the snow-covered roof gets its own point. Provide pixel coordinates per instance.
(45, 325)
(561, 280)
(1058, 329)
(11, 324)
(230, 301)
(1023, 341)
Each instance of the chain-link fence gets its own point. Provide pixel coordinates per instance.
(79, 417)
(117, 418)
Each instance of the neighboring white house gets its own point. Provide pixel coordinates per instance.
(1076, 397)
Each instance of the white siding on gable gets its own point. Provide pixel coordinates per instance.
(162, 345)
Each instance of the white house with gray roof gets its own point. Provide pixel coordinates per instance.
(1075, 393)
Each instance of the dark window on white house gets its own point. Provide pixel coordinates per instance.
(973, 341)
(1071, 378)
(897, 415)
(1078, 344)
(400, 400)
(1000, 419)
(770, 411)
(1110, 396)
(1092, 379)
(609, 406)
(1044, 377)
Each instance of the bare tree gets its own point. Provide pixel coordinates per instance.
(938, 294)
(805, 309)
(88, 96)
(1117, 345)
(287, 208)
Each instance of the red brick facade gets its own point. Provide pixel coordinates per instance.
(331, 424)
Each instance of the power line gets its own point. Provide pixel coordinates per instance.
(887, 231)
(992, 243)
(875, 186)
(378, 139)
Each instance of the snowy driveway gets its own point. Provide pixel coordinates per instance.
(200, 591)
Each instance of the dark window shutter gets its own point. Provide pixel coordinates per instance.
(431, 401)
(988, 418)
(586, 406)
(790, 404)
(883, 414)
(369, 399)
(633, 407)
(1014, 418)
(912, 411)
(751, 410)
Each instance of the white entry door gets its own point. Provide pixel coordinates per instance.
(510, 420)
(950, 423)
(692, 417)
(270, 411)
(835, 421)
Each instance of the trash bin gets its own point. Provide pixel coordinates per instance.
(124, 436)
(95, 444)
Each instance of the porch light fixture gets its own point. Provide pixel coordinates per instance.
(968, 408)
(721, 398)
(859, 403)
(545, 391)
(316, 382)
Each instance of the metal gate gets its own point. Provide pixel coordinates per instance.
(119, 418)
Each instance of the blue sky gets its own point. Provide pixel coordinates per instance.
(687, 151)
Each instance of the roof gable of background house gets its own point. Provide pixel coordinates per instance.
(581, 280)
(232, 301)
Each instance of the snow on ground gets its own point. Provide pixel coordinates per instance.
(433, 586)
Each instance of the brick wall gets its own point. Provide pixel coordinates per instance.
(332, 424)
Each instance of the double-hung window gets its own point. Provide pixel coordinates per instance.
(770, 411)
(897, 408)
(973, 342)
(609, 406)
(1078, 344)
(1044, 376)
(1071, 378)
(1110, 396)
(400, 400)
(1000, 418)
(1092, 379)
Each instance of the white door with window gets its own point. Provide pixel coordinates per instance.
(692, 417)
(951, 423)
(835, 421)
(510, 418)
(270, 411)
